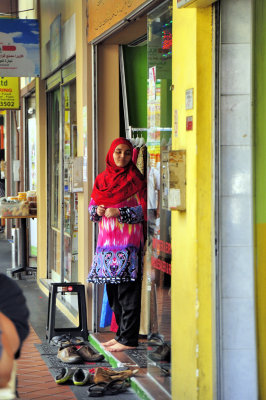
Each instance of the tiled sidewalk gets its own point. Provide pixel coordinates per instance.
(34, 378)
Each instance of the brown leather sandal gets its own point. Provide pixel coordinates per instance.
(108, 374)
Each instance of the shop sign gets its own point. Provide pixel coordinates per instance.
(19, 48)
(103, 15)
(9, 93)
(189, 123)
(160, 245)
(161, 265)
(55, 43)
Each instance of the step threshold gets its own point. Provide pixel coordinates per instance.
(144, 385)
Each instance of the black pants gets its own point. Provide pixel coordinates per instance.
(125, 301)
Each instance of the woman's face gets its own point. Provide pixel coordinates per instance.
(122, 155)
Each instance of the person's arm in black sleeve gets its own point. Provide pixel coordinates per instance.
(13, 306)
(9, 345)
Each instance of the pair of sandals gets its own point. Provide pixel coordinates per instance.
(114, 387)
(78, 376)
(66, 340)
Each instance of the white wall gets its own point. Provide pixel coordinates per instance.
(238, 342)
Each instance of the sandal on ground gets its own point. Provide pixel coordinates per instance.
(66, 340)
(77, 341)
(114, 387)
(58, 340)
(97, 389)
(107, 374)
(64, 375)
(82, 377)
(117, 386)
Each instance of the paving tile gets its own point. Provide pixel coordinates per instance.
(29, 379)
(35, 381)
(38, 386)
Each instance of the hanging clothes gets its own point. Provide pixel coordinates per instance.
(142, 160)
(142, 166)
(114, 326)
(135, 155)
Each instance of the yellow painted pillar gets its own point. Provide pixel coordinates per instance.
(192, 231)
(205, 208)
(41, 151)
(83, 86)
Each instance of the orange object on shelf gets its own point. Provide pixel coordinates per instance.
(32, 196)
(22, 195)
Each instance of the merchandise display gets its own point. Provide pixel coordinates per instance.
(23, 205)
(13, 208)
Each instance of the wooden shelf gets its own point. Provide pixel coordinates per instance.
(18, 216)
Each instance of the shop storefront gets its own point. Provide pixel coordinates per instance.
(29, 108)
(134, 99)
(186, 99)
(159, 143)
(58, 70)
(63, 207)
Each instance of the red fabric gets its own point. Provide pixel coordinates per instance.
(114, 325)
(116, 184)
(135, 155)
(2, 145)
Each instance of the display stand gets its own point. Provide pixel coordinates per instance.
(23, 267)
(63, 288)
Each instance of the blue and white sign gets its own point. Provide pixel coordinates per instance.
(19, 48)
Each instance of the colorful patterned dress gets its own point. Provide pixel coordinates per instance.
(119, 253)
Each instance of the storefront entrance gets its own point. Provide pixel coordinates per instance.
(159, 143)
(134, 100)
(62, 202)
(31, 163)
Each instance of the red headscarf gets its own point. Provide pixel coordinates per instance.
(116, 184)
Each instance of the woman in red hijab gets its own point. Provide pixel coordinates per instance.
(118, 204)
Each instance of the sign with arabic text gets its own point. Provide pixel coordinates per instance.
(9, 93)
(19, 48)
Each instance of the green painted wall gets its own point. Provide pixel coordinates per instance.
(259, 110)
(260, 184)
(135, 59)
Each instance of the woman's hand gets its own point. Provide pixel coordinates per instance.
(112, 212)
(100, 210)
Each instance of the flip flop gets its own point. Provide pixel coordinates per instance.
(97, 389)
(101, 389)
(117, 386)
(77, 341)
(67, 341)
(57, 340)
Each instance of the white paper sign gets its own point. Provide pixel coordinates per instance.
(174, 198)
(189, 99)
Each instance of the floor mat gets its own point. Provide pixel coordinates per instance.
(139, 356)
(49, 355)
(46, 348)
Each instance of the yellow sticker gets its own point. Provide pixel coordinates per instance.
(9, 93)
